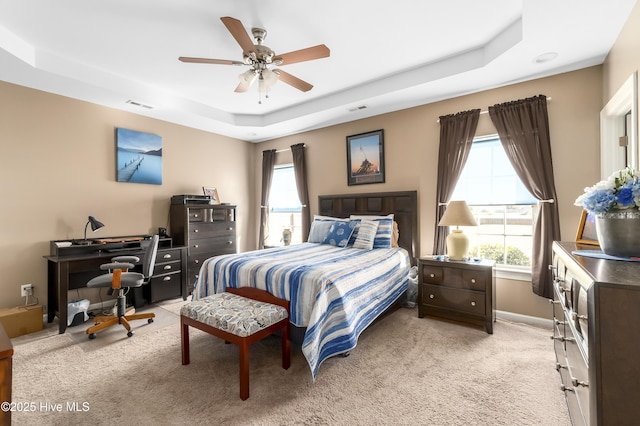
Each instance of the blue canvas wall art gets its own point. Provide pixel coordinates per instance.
(138, 157)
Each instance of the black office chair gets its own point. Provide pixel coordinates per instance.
(118, 278)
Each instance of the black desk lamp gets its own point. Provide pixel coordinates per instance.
(95, 225)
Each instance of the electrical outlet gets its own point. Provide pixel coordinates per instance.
(26, 290)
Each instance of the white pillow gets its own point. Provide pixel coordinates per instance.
(385, 229)
(366, 234)
(319, 230)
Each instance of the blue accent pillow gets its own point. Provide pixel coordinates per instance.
(366, 234)
(339, 233)
(319, 230)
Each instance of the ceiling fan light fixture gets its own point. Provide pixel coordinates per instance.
(248, 76)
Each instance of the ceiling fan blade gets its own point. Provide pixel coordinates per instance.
(210, 61)
(308, 54)
(293, 81)
(238, 32)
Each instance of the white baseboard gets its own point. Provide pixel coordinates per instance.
(525, 319)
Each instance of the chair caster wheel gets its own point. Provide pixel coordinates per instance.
(150, 320)
(129, 334)
(92, 336)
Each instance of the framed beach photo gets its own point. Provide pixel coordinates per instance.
(211, 193)
(365, 158)
(587, 229)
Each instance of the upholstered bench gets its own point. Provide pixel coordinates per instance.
(241, 316)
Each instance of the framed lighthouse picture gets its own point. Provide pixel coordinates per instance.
(365, 158)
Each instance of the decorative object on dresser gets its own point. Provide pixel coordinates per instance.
(457, 290)
(207, 230)
(457, 214)
(617, 212)
(212, 193)
(596, 336)
(587, 229)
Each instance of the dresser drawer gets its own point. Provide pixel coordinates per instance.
(163, 287)
(214, 245)
(208, 230)
(454, 277)
(168, 255)
(167, 267)
(467, 301)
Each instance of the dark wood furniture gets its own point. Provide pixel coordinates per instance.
(6, 375)
(596, 336)
(243, 342)
(457, 290)
(206, 230)
(403, 205)
(69, 268)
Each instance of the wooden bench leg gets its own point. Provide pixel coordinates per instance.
(185, 342)
(244, 369)
(286, 347)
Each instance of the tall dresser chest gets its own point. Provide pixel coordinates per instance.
(596, 336)
(206, 230)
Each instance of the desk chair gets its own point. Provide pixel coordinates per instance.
(117, 278)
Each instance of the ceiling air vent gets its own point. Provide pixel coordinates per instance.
(356, 108)
(138, 104)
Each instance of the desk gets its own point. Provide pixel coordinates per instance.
(69, 268)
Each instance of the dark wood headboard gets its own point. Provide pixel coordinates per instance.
(403, 204)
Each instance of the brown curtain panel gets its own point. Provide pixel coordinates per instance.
(456, 137)
(300, 171)
(523, 127)
(268, 163)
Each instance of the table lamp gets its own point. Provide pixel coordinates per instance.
(95, 225)
(457, 214)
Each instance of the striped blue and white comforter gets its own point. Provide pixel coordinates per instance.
(334, 292)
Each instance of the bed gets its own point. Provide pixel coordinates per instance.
(335, 291)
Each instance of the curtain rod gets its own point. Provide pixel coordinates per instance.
(284, 150)
(487, 111)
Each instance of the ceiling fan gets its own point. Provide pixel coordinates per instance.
(261, 58)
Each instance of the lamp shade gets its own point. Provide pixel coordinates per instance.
(457, 214)
(95, 224)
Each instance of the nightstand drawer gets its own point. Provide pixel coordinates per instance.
(432, 274)
(468, 301)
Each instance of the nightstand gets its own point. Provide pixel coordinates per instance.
(457, 290)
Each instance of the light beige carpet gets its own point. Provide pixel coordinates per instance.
(404, 371)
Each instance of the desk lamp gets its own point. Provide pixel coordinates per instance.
(95, 225)
(457, 214)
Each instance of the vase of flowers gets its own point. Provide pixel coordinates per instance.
(615, 203)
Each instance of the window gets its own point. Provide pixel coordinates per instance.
(503, 208)
(284, 207)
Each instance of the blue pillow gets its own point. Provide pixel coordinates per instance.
(319, 230)
(339, 233)
(366, 234)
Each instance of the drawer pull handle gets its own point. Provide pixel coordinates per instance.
(167, 267)
(166, 256)
(473, 303)
(431, 296)
(473, 280)
(554, 302)
(196, 246)
(167, 278)
(432, 275)
(560, 366)
(229, 229)
(196, 215)
(195, 230)
(575, 316)
(566, 389)
(575, 382)
(196, 261)
(229, 242)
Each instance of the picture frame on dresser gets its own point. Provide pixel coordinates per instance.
(212, 193)
(587, 229)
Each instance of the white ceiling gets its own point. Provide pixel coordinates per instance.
(385, 55)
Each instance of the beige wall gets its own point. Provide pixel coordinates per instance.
(58, 166)
(58, 160)
(411, 150)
